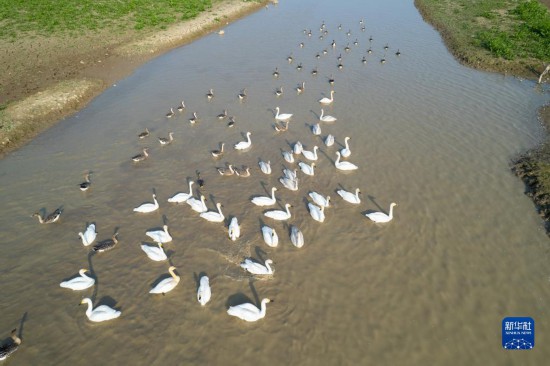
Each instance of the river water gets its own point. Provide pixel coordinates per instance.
(465, 248)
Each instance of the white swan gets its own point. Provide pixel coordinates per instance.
(213, 216)
(89, 235)
(182, 197)
(346, 151)
(319, 199)
(167, 284)
(234, 229)
(244, 144)
(326, 100)
(344, 165)
(279, 214)
(265, 167)
(100, 313)
(324, 118)
(160, 236)
(317, 213)
(264, 200)
(380, 216)
(350, 197)
(197, 205)
(289, 183)
(329, 140)
(290, 174)
(270, 236)
(298, 148)
(79, 283)
(316, 129)
(154, 253)
(311, 155)
(306, 168)
(283, 116)
(257, 268)
(148, 207)
(204, 292)
(289, 158)
(248, 311)
(296, 237)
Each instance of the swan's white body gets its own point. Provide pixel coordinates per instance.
(257, 268)
(311, 155)
(214, 216)
(329, 140)
(327, 118)
(317, 213)
(326, 100)
(264, 200)
(160, 236)
(290, 174)
(234, 229)
(270, 236)
(154, 253)
(381, 217)
(100, 313)
(306, 168)
(79, 283)
(167, 284)
(289, 158)
(316, 129)
(319, 199)
(350, 197)
(182, 197)
(248, 311)
(296, 237)
(297, 148)
(346, 151)
(204, 292)
(279, 214)
(265, 167)
(148, 207)
(344, 165)
(197, 205)
(288, 183)
(89, 235)
(244, 144)
(282, 116)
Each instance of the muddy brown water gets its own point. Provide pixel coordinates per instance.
(465, 249)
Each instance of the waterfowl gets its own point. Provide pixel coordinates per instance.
(218, 153)
(398, 53)
(276, 73)
(257, 268)
(311, 155)
(356, 42)
(231, 122)
(213, 216)
(317, 56)
(210, 94)
(167, 284)
(7, 349)
(234, 229)
(325, 51)
(282, 116)
(242, 94)
(296, 237)
(160, 236)
(329, 140)
(244, 171)
(148, 206)
(386, 47)
(347, 48)
(287, 155)
(204, 292)
(223, 114)
(264, 200)
(265, 167)
(364, 60)
(350, 197)
(197, 205)
(348, 33)
(107, 244)
(300, 88)
(320, 199)
(89, 235)
(343, 165)
(291, 184)
(182, 197)
(333, 44)
(339, 58)
(369, 51)
(100, 313)
(316, 212)
(170, 114)
(301, 44)
(199, 180)
(279, 91)
(194, 119)
(181, 107)
(279, 214)
(346, 151)
(154, 253)
(381, 217)
(331, 80)
(228, 170)
(298, 148)
(243, 145)
(324, 118)
(340, 27)
(326, 100)
(340, 66)
(314, 72)
(81, 282)
(290, 58)
(316, 129)
(299, 67)
(290, 174)
(144, 134)
(248, 311)
(51, 218)
(166, 141)
(383, 60)
(363, 29)
(140, 157)
(307, 169)
(282, 127)
(270, 236)
(370, 39)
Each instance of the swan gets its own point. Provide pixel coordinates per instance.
(296, 237)
(244, 144)
(79, 283)
(218, 153)
(264, 200)
(222, 115)
(283, 116)
(279, 214)
(234, 229)
(317, 213)
(210, 94)
(106, 245)
(311, 155)
(144, 134)
(148, 207)
(324, 118)
(300, 88)
(307, 169)
(170, 114)
(154, 253)
(329, 140)
(140, 157)
(248, 311)
(288, 183)
(100, 313)
(244, 171)
(289, 158)
(167, 284)
(364, 60)
(279, 91)
(326, 100)
(316, 129)
(181, 107)
(242, 94)
(281, 127)
(7, 349)
(166, 141)
(89, 235)
(227, 170)
(380, 216)
(50, 219)
(204, 292)
(270, 236)
(331, 80)
(346, 151)
(197, 205)
(319, 199)
(257, 268)
(276, 73)
(160, 236)
(265, 167)
(84, 186)
(290, 174)
(350, 197)
(231, 122)
(194, 119)
(344, 165)
(182, 197)
(213, 216)
(298, 148)
(289, 58)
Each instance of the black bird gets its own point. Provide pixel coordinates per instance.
(107, 244)
(7, 349)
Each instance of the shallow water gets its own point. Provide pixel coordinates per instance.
(465, 249)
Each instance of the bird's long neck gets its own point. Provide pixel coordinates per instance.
(273, 194)
(322, 113)
(391, 212)
(190, 188)
(220, 209)
(89, 310)
(263, 308)
(337, 159)
(40, 219)
(173, 274)
(347, 145)
(287, 210)
(268, 267)
(357, 193)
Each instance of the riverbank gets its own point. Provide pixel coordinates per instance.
(49, 77)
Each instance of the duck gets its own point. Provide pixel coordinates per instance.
(197, 205)
(320, 199)
(148, 206)
(306, 168)
(329, 140)
(279, 214)
(282, 116)
(311, 155)
(228, 170)
(222, 115)
(298, 148)
(156, 254)
(89, 235)
(194, 119)
(243, 172)
(270, 236)
(288, 156)
(327, 101)
(182, 197)
(231, 122)
(296, 237)
(265, 167)
(282, 127)
(107, 244)
(160, 236)
(300, 88)
(380, 217)
(210, 94)
(170, 114)
(7, 349)
(345, 152)
(79, 283)
(140, 157)
(181, 107)
(291, 184)
(166, 141)
(234, 229)
(316, 129)
(218, 153)
(84, 186)
(279, 91)
(100, 313)
(257, 268)
(327, 118)
(213, 216)
(276, 73)
(204, 292)
(243, 145)
(350, 197)
(167, 284)
(144, 134)
(248, 311)
(51, 218)
(318, 213)
(265, 200)
(344, 165)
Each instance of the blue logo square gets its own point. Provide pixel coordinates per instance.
(518, 333)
